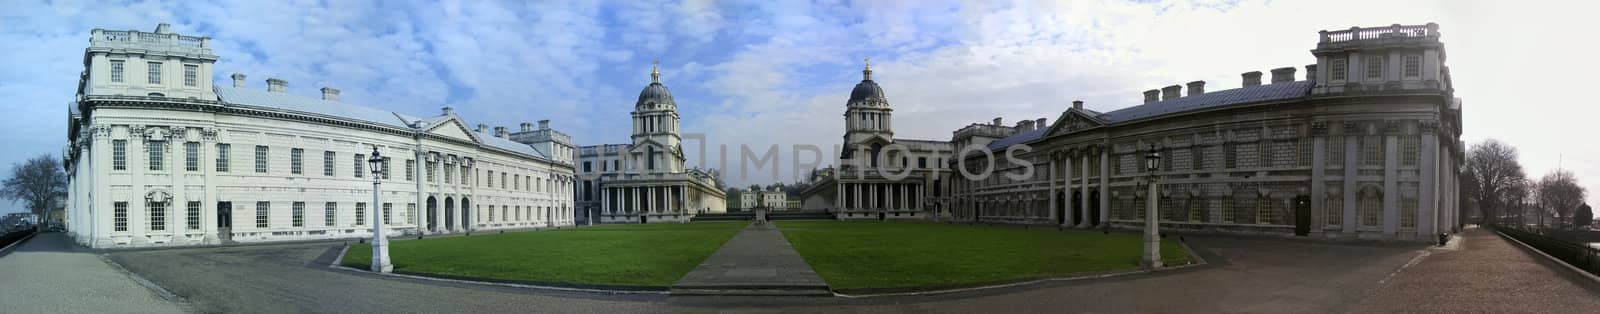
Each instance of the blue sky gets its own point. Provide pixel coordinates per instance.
(778, 72)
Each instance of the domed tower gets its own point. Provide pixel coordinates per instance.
(655, 128)
(869, 123)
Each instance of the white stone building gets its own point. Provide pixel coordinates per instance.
(646, 181)
(881, 177)
(1366, 146)
(772, 198)
(158, 156)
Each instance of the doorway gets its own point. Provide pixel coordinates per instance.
(1061, 214)
(1094, 207)
(225, 221)
(1302, 215)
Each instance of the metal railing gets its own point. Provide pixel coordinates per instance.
(1575, 254)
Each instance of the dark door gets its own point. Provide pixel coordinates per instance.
(1302, 215)
(225, 221)
(643, 218)
(1094, 208)
(224, 215)
(1061, 213)
(1075, 208)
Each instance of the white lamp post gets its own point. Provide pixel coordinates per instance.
(380, 243)
(1152, 236)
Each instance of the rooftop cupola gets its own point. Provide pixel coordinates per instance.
(655, 93)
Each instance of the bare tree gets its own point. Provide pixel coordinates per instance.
(39, 183)
(1560, 193)
(1491, 169)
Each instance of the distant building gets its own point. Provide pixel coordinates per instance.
(647, 180)
(772, 198)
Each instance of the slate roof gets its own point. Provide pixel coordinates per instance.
(1235, 96)
(255, 98)
(1243, 95)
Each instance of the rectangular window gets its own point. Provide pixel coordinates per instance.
(386, 208)
(327, 163)
(1336, 69)
(191, 156)
(465, 175)
(191, 74)
(490, 218)
(192, 215)
(158, 215)
(222, 157)
(1264, 211)
(1409, 150)
(119, 154)
(157, 162)
(1408, 206)
(1335, 151)
(330, 211)
(296, 161)
(411, 210)
(491, 178)
(411, 169)
(361, 214)
(586, 166)
(1374, 67)
(503, 180)
(516, 182)
(261, 214)
(431, 165)
(155, 72)
(120, 216)
(261, 159)
(386, 168)
(116, 71)
(447, 173)
(1372, 151)
(297, 211)
(360, 158)
(1413, 66)
(1369, 208)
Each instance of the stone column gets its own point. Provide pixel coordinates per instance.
(1083, 206)
(1429, 186)
(1319, 185)
(635, 204)
(1066, 190)
(1352, 163)
(1105, 185)
(1051, 167)
(1391, 188)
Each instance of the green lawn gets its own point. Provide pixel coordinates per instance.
(871, 254)
(629, 255)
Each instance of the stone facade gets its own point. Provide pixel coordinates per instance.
(158, 156)
(1363, 149)
(646, 181)
(773, 198)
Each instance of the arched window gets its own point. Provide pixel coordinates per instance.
(876, 148)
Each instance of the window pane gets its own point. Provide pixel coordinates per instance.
(222, 157)
(116, 71)
(190, 72)
(119, 155)
(191, 156)
(120, 215)
(157, 163)
(261, 159)
(261, 214)
(296, 164)
(155, 72)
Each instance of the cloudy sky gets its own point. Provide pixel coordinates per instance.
(778, 72)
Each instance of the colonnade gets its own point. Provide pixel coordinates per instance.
(879, 196)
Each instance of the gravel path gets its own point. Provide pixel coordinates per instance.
(49, 274)
(1489, 275)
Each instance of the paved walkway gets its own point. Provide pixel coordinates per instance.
(50, 274)
(1489, 275)
(758, 260)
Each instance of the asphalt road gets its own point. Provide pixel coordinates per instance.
(1245, 275)
(49, 274)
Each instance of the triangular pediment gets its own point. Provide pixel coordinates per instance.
(453, 128)
(1072, 121)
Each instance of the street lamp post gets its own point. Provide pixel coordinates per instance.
(380, 243)
(1152, 236)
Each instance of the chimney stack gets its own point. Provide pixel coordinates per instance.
(238, 79)
(1252, 78)
(330, 94)
(500, 132)
(1171, 92)
(447, 111)
(527, 127)
(1077, 104)
(997, 121)
(1024, 126)
(544, 124)
(1311, 72)
(482, 127)
(1151, 96)
(1197, 88)
(1039, 123)
(277, 85)
(1283, 74)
